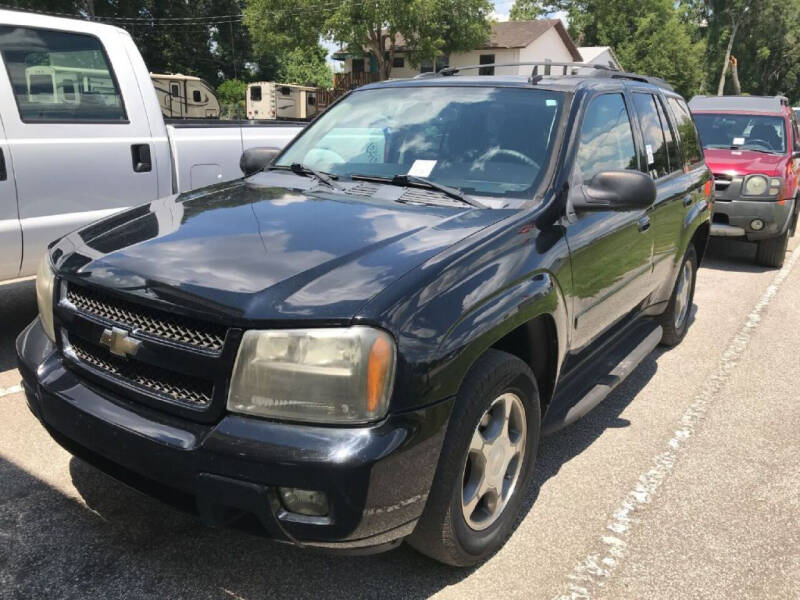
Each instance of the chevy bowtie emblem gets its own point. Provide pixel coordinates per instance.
(119, 343)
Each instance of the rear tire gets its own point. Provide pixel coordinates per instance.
(675, 320)
(772, 252)
(461, 525)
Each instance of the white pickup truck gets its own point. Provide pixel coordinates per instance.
(82, 134)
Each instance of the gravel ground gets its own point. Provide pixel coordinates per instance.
(684, 483)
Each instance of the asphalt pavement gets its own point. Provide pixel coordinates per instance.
(684, 483)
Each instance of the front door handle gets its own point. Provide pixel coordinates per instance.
(140, 155)
(644, 223)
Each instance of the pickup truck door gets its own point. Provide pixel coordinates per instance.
(10, 232)
(611, 251)
(77, 129)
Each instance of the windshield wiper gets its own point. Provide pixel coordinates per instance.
(301, 169)
(421, 182)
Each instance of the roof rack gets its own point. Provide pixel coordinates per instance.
(596, 71)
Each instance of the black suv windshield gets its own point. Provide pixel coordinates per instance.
(481, 140)
(742, 132)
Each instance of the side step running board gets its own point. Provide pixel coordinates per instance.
(580, 395)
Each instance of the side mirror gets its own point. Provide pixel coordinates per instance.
(796, 154)
(615, 190)
(257, 159)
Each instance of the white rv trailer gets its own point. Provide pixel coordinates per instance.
(185, 96)
(270, 100)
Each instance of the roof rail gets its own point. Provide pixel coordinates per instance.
(536, 76)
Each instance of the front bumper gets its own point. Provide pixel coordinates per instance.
(376, 478)
(738, 214)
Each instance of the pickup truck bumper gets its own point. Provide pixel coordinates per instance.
(739, 215)
(376, 477)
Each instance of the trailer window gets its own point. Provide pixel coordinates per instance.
(60, 76)
(196, 96)
(255, 93)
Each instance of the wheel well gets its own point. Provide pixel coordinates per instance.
(700, 241)
(535, 343)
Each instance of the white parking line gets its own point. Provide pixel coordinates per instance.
(597, 567)
(14, 389)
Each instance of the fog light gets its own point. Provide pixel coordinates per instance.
(304, 502)
(756, 224)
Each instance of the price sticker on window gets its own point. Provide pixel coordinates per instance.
(422, 168)
(650, 158)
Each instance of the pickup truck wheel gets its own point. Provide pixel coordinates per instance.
(675, 320)
(486, 463)
(772, 252)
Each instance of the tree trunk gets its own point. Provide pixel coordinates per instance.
(737, 87)
(721, 86)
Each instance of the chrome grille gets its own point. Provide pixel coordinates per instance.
(166, 384)
(172, 328)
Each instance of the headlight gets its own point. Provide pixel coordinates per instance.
(340, 375)
(756, 185)
(45, 282)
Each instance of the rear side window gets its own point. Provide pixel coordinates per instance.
(606, 142)
(654, 142)
(687, 132)
(669, 135)
(60, 76)
(255, 93)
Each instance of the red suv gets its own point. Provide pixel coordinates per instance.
(752, 145)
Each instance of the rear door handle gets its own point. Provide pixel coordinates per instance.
(140, 155)
(644, 223)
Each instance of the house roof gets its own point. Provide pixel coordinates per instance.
(591, 53)
(509, 34)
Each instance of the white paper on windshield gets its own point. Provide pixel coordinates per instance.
(650, 158)
(422, 168)
(738, 141)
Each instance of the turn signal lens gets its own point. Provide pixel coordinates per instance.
(379, 365)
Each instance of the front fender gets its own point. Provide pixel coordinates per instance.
(478, 330)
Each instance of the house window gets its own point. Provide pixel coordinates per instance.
(426, 66)
(358, 65)
(398, 62)
(486, 59)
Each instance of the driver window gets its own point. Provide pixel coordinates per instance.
(606, 142)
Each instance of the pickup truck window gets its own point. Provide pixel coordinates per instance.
(486, 141)
(606, 142)
(59, 76)
(687, 132)
(653, 132)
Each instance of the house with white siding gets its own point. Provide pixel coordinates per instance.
(509, 42)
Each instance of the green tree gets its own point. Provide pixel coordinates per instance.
(427, 27)
(653, 37)
(307, 67)
(528, 10)
(231, 94)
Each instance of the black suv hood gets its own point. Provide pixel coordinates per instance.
(264, 253)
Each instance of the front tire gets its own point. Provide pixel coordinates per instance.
(486, 463)
(675, 320)
(772, 252)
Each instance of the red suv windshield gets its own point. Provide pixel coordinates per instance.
(742, 132)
